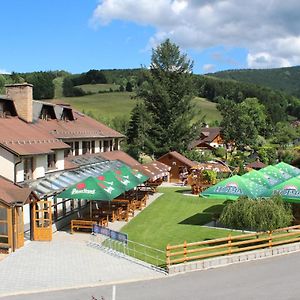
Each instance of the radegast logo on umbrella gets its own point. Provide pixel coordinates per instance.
(229, 188)
(289, 191)
(109, 188)
(81, 189)
(122, 178)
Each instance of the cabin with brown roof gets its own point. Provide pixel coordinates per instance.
(210, 138)
(178, 164)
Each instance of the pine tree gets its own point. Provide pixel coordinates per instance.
(167, 94)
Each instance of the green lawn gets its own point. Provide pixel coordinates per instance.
(103, 106)
(174, 218)
(208, 109)
(95, 88)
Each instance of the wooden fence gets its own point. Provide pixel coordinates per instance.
(232, 244)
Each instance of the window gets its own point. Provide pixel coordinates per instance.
(76, 148)
(93, 147)
(111, 145)
(116, 144)
(28, 168)
(69, 151)
(51, 161)
(86, 147)
(106, 146)
(3, 225)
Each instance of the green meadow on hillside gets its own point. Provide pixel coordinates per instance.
(102, 106)
(95, 88)
(106, 106)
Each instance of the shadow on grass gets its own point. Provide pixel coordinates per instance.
(215, 209)
(209, 214)
(182, 191)
(197, 219)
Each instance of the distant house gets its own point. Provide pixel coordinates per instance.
(256, 165)
(210, 138)
(178, 164)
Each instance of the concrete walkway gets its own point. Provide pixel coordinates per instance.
(67, 261)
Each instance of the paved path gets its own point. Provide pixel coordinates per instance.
(67, 261)
(273, 278)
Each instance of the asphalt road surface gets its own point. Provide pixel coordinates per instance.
(272, 278)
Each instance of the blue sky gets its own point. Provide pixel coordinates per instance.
(78, 35)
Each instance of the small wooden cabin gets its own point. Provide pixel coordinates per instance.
(178, 164)
(12, 200)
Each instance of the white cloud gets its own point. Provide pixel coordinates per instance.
(207, 68)
(3, 71)
(269, 29)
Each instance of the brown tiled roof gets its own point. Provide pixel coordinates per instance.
(207, 136)
(120, 155)
(82, 127)
(256, 165)
(180, 157)
(11, 193)
(154, 169)
(24, 139)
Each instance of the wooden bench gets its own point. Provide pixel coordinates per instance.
(82, 224)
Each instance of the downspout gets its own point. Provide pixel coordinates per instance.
(15, 169)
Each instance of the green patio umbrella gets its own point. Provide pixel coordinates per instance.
(141, 177)
(288, 169)
(126, 178)
(260, 178)
(274, 175)
(93, 188)
(289, 190)
(234, 187)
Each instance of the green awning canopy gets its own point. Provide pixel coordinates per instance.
(102, 188)
(288, 190)
(284, 167)
(134, 175)
(260, 178)
(233, 188)
(274, 175)
(126, 178)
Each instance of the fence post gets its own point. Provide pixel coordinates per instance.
(229, 244)
(168, 255)
(270, 239)
(185, 251)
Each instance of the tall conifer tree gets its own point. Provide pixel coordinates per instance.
(167, 94)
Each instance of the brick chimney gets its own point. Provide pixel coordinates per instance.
(21, 94)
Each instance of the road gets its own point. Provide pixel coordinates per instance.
(272, 278)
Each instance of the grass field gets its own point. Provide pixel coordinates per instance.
(95, 88)
(103, 106)
(208, 109)
(109, 105)
(174, 218)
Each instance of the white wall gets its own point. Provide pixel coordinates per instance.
(39, 166)
(7, 164)
(20, 172)
(97, 146)
(60, 162)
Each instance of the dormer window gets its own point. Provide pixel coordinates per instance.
(7, 109)
(47, 113)
(67, 115)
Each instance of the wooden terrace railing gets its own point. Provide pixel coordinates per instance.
(232, 244)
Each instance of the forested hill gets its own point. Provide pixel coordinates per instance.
(284, 79)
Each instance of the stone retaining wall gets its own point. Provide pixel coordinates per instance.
(234, 258)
